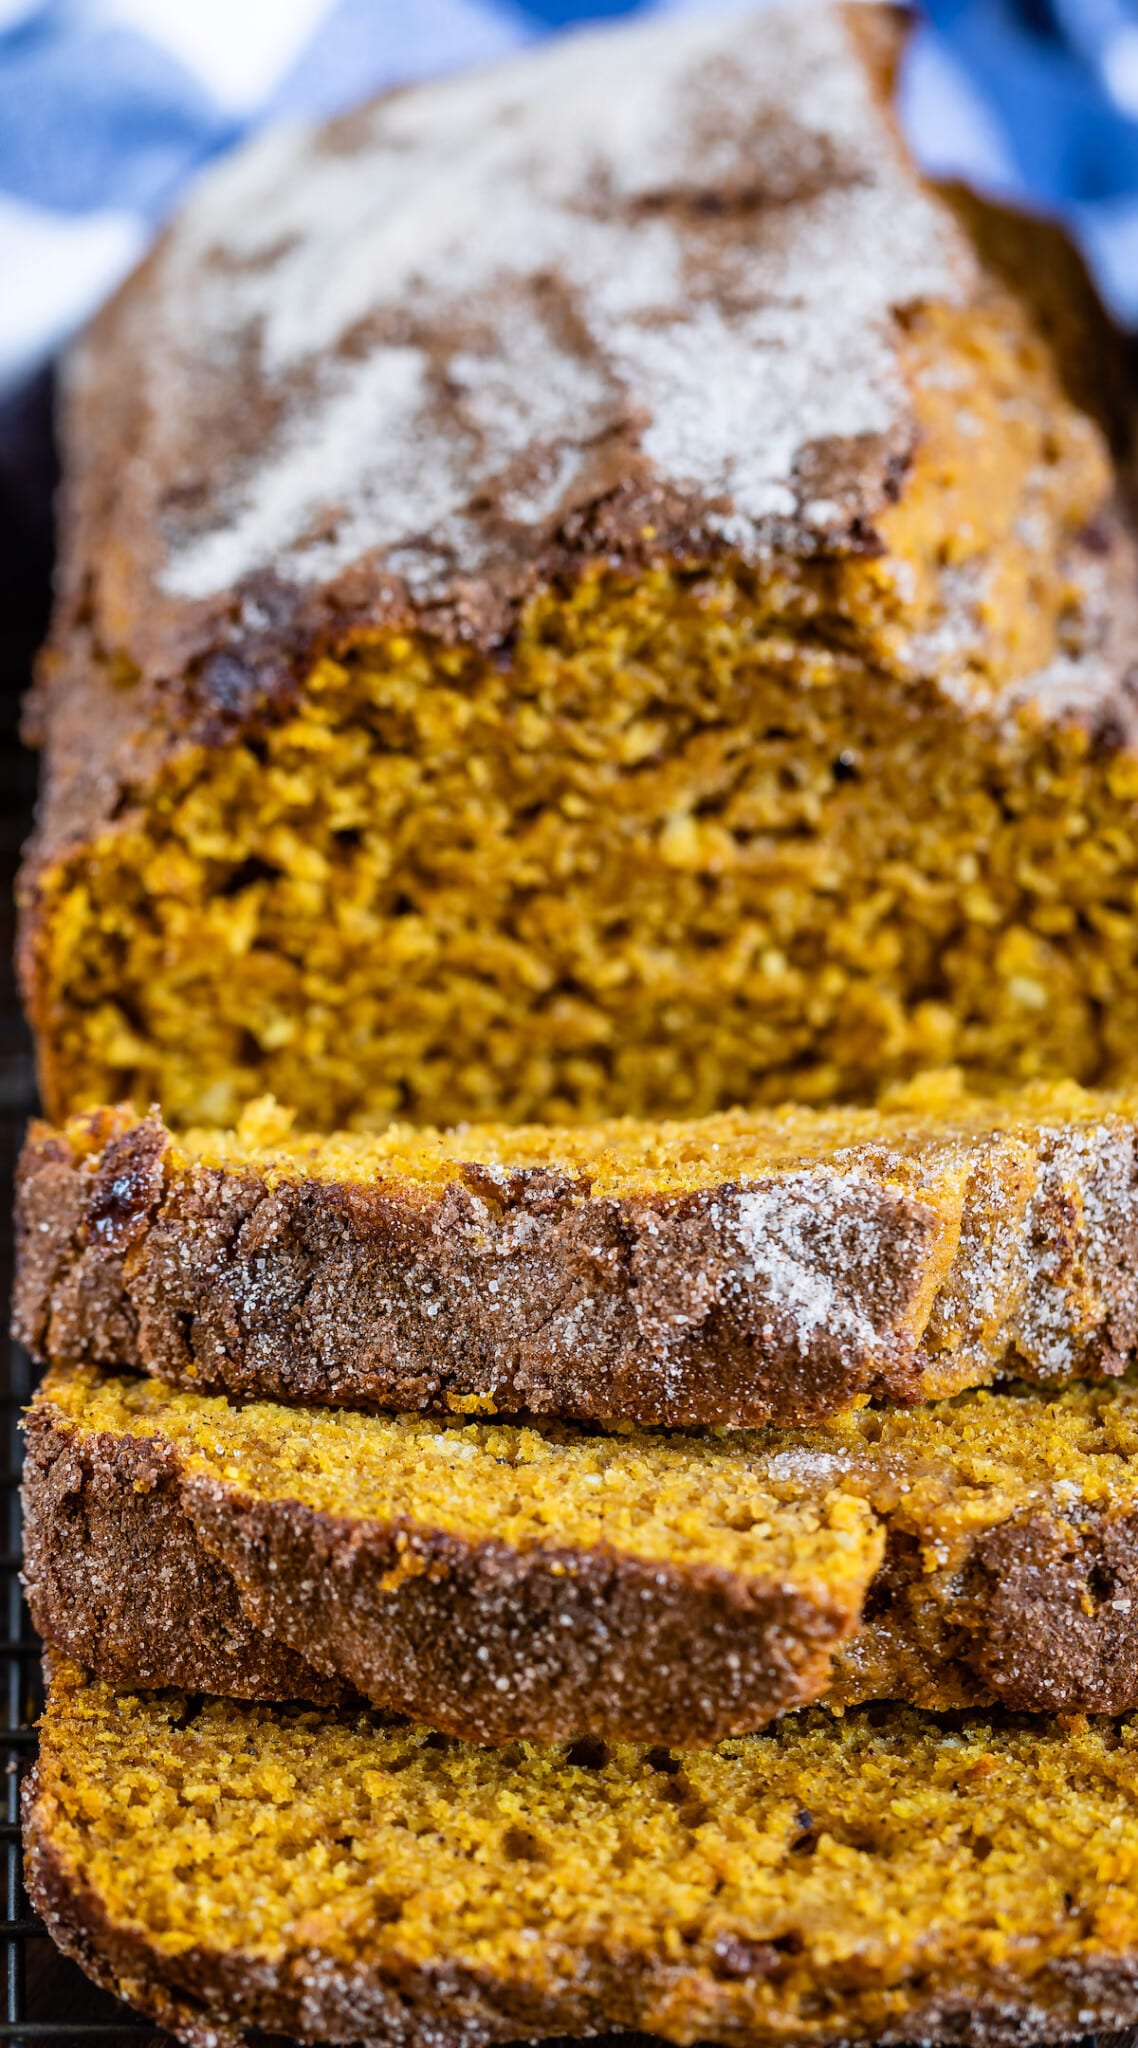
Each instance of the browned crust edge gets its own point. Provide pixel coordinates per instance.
(114, 1568)
(530, 1294)
(339, 1294)
(1037, 1617)
(210, 2000)
(152, 1576)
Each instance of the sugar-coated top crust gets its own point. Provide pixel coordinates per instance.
(900, 1269)
(628, 295)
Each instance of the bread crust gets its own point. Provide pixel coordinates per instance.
(145, 479)
(112, 1560)
(155, 1576)
(885, 1273)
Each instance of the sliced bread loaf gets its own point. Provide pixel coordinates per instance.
(586, 588)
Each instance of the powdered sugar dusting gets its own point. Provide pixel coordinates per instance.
(804, 1466)
(776, 1228)
(824, 1259)
(1082, 1242)
(684, 240)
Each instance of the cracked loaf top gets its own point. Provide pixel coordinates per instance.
(630, 295)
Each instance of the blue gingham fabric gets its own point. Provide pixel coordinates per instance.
(108, 107)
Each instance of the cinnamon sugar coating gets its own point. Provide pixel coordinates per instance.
(760, 1266)
(492, 1580)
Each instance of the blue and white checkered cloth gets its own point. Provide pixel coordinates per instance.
(108, 107)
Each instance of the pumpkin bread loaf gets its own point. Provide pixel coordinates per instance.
(498, 1580)
(881, 1876)
(587, 589)
(590, 595)
(750, 1267)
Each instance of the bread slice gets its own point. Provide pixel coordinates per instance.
(500, 1581)
(882, 1876)
(493, 1580)
(587, 589)
(740, 1269)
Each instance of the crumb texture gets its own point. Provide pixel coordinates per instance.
(880, 1875)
